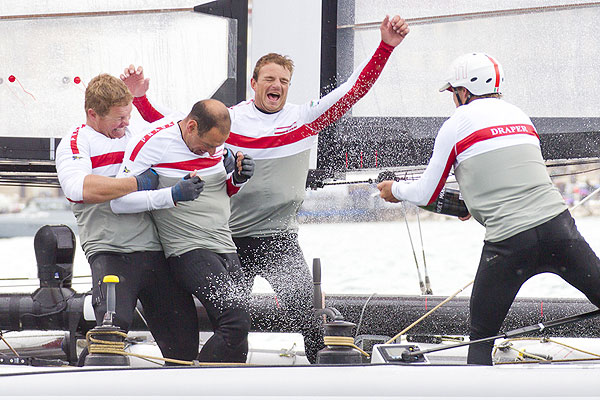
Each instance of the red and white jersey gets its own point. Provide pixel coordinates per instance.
(495, 152)
(202, 223)
(280, 144)
(83, 152)
(295, 128)
(162, 148)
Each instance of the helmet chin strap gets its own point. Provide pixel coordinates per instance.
(467, 100)
(460, 103)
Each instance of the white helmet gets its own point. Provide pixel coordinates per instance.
(479, 73)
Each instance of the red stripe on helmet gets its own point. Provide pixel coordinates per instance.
(497, 70)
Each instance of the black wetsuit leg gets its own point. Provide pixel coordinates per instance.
(279, 260)
(216, 280)
(123, 266)
(169, 311)
(566, 253)
(555, 246)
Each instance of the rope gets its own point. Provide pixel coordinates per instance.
(549, 340)
(99, 346)
(573, 348)
(546, 361)
(8, 345)
(522, 353)
(538, 359)
(428, 313)
(343, 341)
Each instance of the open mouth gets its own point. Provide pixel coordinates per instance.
(273, 96)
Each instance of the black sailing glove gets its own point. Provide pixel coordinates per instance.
(187, 189)
(228, 161)
(246, 171)
(147, 180)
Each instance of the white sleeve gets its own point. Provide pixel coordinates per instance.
(146, 200)
(73, 168)
(428, 186)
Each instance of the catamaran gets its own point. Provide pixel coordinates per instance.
(377, 346)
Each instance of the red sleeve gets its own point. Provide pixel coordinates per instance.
(365, 80)
(231, 188)
(146, 110)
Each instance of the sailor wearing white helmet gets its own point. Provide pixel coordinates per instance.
(494, 149)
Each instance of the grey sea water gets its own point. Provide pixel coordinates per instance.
(356, 258)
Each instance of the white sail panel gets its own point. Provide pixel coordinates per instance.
(184, 53)
(548, 53)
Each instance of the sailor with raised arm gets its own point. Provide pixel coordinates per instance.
(195, 235)
(87, 161)
(494, 149)
(280, 136)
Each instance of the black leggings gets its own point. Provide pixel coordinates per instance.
(280, 261)
(555, 246)
(169, 311)
(216, 280)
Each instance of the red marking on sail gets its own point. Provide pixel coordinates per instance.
(13, 78)
(277, 302)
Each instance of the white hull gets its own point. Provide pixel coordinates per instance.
(444, 376)
(300, 382)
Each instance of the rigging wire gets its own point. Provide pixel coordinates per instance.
(421, 283)
(477, 15)
(589, 196)
(427, 281)
(362, 313)
(96, 13)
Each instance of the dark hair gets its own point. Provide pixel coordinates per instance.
(481, 96)
(209, 114)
